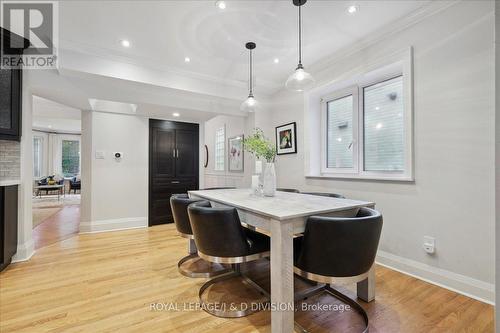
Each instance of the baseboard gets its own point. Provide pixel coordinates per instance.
(24, 251)
(113, 225)
(470, 287)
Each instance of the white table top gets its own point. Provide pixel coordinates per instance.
(282, 206)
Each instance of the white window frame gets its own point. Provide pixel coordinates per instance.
(67, 137)
(358, 171)
(223, 128)
(42, 153)
(352, 90)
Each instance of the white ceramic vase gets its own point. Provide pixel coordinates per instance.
(269, 180)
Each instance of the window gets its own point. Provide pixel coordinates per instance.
(383, 126)
(37, 157)
(340, 132)
(220, 139)
(366, 129)
(70, 158)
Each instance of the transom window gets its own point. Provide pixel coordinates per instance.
(367, 130)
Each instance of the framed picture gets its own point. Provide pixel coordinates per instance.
(286, 139)
(236, 154)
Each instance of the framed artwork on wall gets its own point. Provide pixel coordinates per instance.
(286, 139)
(236, 154)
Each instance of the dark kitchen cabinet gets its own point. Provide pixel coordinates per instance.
(8, 224)
(173, 165)
(10, 97)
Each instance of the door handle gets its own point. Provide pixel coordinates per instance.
(177, 153)
(173, 153)
(176, 182)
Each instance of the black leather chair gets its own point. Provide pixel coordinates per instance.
(75, 185)
(179, 204)
(321, 194)
(338, 249)
(292, 190)
(220, 238)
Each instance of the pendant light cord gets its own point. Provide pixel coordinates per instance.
(251, 80)
(300, 37)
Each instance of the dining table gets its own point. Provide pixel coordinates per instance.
(283, 216)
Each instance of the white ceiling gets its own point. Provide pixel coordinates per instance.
(54, 117)
(163, 33)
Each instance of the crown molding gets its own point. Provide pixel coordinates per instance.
(417, 16)
(264, 87)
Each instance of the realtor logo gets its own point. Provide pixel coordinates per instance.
(29, 35)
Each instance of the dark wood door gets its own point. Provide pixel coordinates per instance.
(186, 153)
(163, 159)
(173, 165)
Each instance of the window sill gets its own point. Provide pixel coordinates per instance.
(402, 179)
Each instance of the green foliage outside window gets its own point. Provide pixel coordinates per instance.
(70, 158)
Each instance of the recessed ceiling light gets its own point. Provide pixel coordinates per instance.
(175, 114)
(352, 9)
(187, 59)
(377, 108)
(379, 126)
(220, 4)
(125, 43)
(276, 61)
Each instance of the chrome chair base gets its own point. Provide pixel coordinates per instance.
(194, 274)
(220, 311)
(338, 295)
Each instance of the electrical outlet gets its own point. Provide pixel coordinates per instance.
(429, 244)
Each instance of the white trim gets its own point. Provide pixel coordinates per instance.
(346, 92)
(467, 286)
(113, 225)
(24, 251)
(354, 85)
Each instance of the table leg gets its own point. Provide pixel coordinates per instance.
(282, 277)
(366, 288)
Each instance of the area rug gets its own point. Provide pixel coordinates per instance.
(41, 214)
(48, 205)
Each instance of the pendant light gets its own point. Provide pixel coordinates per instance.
(250, 104)
(300, 80)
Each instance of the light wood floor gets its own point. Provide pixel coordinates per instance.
(63, 224)
(107, 282)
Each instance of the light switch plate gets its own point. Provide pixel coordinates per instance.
(99, 155)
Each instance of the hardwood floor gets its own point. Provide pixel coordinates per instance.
(63, 224)
(107, 282)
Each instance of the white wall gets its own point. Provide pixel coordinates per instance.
(497, 164)
(235, 126)
(453, 196)
(114, 193)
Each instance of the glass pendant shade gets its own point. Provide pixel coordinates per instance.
(250, 104)
(300, 80)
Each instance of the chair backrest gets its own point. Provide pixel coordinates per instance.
(321, 194)
(217, 231)
(179, 204)
(292, 190)
(220, 188)
(340, 247)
